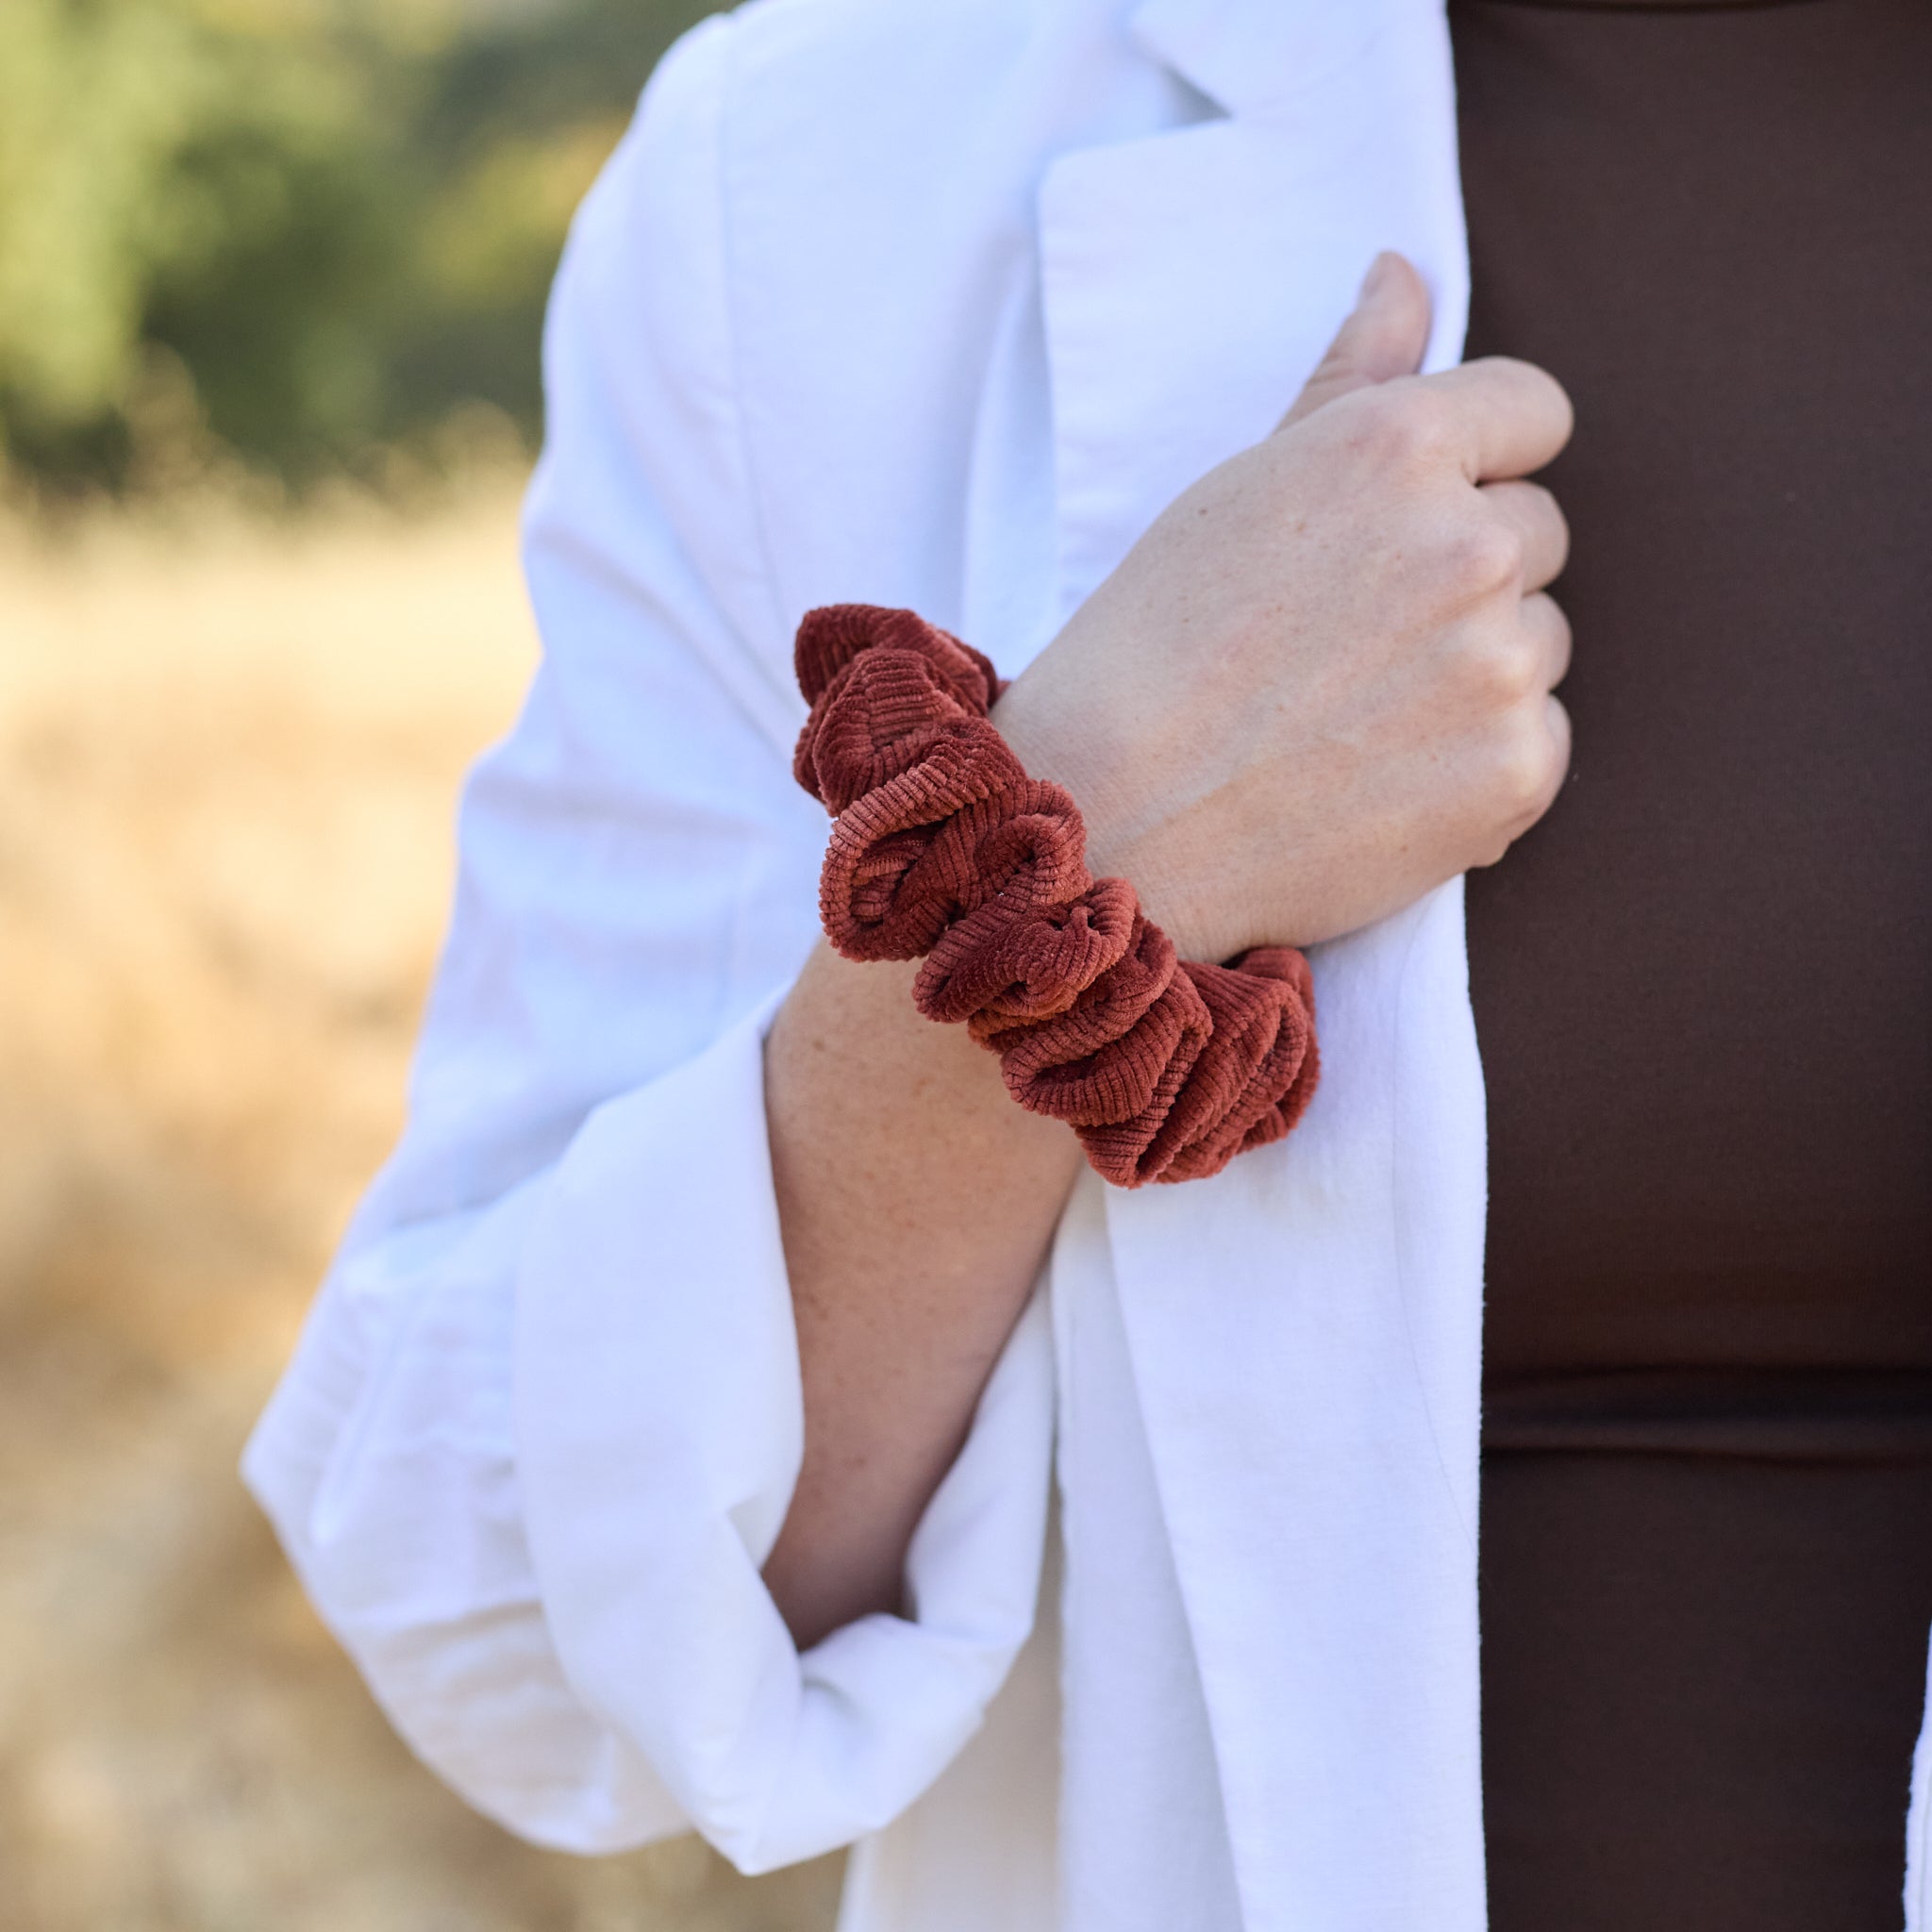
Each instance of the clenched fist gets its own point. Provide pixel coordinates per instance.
(1321, 683)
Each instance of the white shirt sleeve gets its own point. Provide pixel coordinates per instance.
(545, 1419)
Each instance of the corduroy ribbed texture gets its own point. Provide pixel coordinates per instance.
(942, 848)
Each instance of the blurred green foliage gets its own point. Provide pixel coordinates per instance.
(290, 235)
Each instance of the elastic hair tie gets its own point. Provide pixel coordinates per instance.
(943, 849)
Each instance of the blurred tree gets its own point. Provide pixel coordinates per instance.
(295, 232)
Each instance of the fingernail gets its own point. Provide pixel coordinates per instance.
(1377, 276)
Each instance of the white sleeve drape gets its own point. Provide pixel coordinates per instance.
(545, 1419)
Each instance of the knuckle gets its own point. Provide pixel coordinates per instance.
(1491, 849)
(1482, 556)
(1524, 770)
(1503, 666)
(1404, 425)
(1540, 513)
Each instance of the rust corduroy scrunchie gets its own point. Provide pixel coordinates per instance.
(943, 848)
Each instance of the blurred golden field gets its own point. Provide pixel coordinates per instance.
(228, 761)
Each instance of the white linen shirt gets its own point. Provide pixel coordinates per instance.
(937, 304)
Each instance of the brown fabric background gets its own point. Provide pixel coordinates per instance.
(1703, 983)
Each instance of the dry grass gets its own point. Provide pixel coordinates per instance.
(227, 768)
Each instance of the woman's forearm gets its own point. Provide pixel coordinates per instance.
(917, 1202)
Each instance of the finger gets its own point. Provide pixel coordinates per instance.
(1539, 526)
(1542, 618)
(1384, 337)
(1506, 418)
(1560, 737)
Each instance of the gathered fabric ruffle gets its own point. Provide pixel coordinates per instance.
(943, 850)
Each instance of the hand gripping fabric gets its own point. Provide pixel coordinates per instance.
(943, 848)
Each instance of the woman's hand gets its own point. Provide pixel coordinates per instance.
(1317, 687)
(1320, 684)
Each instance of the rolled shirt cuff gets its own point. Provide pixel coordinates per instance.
(659, 1427)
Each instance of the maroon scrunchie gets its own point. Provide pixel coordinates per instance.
(944, 847)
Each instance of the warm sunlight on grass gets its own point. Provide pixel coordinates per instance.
(228, 762)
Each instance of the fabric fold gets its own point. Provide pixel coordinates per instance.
(651, 1303)
(529, 1468)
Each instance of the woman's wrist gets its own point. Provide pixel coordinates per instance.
(1068, 744)
(944, 848)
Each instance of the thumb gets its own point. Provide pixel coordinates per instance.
(1383, 338)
